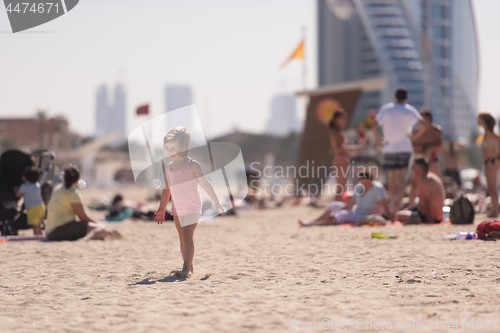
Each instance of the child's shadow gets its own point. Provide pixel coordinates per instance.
(170, 278)
(179, 276)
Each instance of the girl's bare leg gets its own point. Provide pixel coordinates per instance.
(179, 232)
(188, 247)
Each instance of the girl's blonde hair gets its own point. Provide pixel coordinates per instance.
(181, 135)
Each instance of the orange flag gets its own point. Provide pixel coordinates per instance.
(298, 53)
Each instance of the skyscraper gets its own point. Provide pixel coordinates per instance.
(283, 118)
(428, 46)
(177, 97)
(110, 116)
(101, 111)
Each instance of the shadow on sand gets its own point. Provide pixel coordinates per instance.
(170, 278)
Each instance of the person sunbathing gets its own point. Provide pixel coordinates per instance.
(431, 196)
(367, 205)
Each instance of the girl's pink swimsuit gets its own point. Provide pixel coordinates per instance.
(186, 198)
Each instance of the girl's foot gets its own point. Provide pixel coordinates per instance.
(181, 274)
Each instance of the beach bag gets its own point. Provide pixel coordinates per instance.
(462, 211)
(488, 229)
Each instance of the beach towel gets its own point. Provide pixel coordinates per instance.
(488, 229)
(16, 238)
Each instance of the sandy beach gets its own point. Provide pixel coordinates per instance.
(258, 271)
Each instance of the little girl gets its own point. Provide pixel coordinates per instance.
(183, 176)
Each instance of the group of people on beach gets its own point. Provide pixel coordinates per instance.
(66, 218)
(408, 138)
(62, 209)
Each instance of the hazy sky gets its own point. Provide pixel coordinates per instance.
(228, 51)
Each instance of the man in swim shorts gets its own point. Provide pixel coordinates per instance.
(431, 196)
(396, 120)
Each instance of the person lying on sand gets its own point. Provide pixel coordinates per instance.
(370, 200)
(431, 196)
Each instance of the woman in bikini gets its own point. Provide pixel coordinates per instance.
(491, 158)
(339, 147)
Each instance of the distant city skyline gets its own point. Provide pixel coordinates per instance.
(177, 96)
(282, 117)
(232, 65)
(110, 113)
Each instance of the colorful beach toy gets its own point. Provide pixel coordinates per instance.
(381, 235)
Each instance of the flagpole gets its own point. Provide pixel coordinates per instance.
(304, 67)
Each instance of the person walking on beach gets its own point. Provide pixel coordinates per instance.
(396, 120)
(431, 196)
(30, 190)
(491, 158)
(183, 176)
(341, 150)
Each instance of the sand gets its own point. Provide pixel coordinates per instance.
(258, 271)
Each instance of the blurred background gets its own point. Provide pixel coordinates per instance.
(76, 85)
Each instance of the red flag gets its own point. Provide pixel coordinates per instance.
(143, 109)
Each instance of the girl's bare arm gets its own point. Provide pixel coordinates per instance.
(165, 196)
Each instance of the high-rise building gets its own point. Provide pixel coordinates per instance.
(283, 118)
(111, 115)
(177, 97)
(101, 111)
(427, 46)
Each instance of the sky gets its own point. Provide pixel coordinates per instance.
(227, 51)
